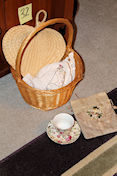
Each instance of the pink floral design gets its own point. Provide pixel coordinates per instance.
(68, 139)
(61, 132)
(58, 136)
(59, 141)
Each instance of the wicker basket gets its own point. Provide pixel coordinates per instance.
(48, 99)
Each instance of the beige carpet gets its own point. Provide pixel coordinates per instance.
(96, 41)
(97, 44)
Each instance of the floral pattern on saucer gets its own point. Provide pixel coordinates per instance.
(63, 137)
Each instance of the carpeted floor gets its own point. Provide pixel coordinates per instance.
(96, 42)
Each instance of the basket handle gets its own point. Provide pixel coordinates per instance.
(35, 31)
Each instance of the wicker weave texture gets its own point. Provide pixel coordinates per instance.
(46, 47)
(12, 41)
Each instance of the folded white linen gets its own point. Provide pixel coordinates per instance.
(28, 79)
(53, 76)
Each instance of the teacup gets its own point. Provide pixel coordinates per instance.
(63, 121)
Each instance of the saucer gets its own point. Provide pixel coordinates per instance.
(63, 137)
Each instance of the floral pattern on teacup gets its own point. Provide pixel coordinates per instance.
(63, 137)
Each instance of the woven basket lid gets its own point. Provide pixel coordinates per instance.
(46, 47)
(12, 41)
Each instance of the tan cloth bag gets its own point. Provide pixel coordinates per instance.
(95, 115)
